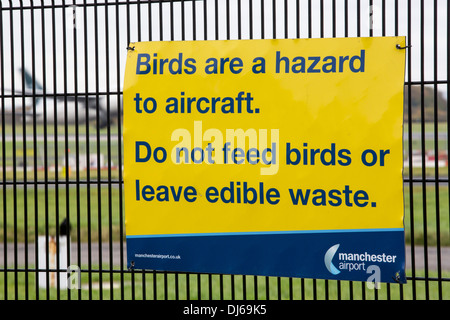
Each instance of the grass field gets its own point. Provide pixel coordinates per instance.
(84, 207)
(95, 214)
(428, 220)
(161, 286)
(88, 209)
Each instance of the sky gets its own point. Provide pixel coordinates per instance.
(96, 60)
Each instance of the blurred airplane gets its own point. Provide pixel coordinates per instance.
(50, 108)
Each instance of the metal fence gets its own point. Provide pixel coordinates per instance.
(61, 72)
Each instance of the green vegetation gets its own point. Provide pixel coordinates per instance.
(428, 102)
(95, 214)
(83, 207)
(427, 215)
(171, 286)
(84, 213)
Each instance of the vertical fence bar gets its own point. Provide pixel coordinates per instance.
(4, 195)
(172, 27)
(77, 135)
(108, 142)
(119, 157)
(55, 151)
(150, 22)
(183, 20)
(263, 35)
(117, 98)
(99, 164)
(321, 19)
(239, 12)
(423, 141)
(448, 104)
(228, 22)
(35, 149)
(346, 16)
(24, 152)
(88, 149)
(370, 18)
(14, 146)
(194, 19)
(358, 18)
(250, 19)
(131, 270)
(139, 23)
(216, 18)
(410, 154)
(66, 146)
(274, 19)
(46, 179)
(436, 153)
(396, 33)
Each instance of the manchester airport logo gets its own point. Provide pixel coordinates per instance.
(329, 255)
(356, 261)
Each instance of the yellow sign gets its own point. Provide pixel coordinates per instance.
(251, 136)
(258, 135)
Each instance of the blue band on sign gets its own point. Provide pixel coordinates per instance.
(328, 254)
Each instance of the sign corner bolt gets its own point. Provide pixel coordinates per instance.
(397, 46)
